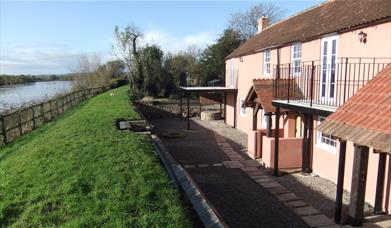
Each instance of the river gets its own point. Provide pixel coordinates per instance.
(17, 95)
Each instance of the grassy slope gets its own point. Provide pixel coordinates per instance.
(80, 170)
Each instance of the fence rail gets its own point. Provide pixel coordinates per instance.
(19, 122)
(329, 83)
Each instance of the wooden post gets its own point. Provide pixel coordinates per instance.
(340, 181)
(235, 100)
(388, 186)
(3, 129)
(269, 124)
(225, 107)
(305, 147)
(381, 174)
(359, 180)
(20, 123)
(276, 141)
(255, 117)
(34, 124)
(180, 105)
(188, 110)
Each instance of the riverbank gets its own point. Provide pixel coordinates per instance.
(81, 171)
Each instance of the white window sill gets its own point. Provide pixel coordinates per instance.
(326, 147)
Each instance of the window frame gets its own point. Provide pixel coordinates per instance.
(296, 59)
(266, 64)
(320, 136)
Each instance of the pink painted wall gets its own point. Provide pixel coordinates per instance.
(325, 162)
(329, 169)
(289, 152)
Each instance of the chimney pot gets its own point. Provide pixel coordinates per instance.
(263, 23)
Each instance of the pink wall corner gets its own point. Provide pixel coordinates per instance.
(289, 152)
(253, 144)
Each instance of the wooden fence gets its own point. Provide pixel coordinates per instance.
(17, 123)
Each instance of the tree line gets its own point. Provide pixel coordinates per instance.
(151, 72)
(22, 79)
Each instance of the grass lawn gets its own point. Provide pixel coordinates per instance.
(80, 171)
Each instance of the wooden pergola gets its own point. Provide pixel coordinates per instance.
(365, 120)
(205, 89)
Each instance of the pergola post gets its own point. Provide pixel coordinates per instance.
(276, 141)
(307, 143)
(255, 117)
(269, 124)
(180, 105)
(381, 174)
(359, 179)
(188, 110)
(225, 107)
(340, 181)
(235, 108)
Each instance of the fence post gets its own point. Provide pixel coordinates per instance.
(34, 125)
(3, 129)
(20, 123)
(312, 82)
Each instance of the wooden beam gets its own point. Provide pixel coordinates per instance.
(188, 111)
(269, 124)
(255, 117)
(358, 186)
(305, 145)
(276, 141)
(381, 174)
(340, 181)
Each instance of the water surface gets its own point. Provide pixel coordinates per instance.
(18, 95)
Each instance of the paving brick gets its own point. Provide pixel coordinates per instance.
(217, 164)
(279, 190)
(296, 203)
(287, 197)
(203, 165)
(188, 166)
(270, 185)
(308, 210)
(250, 163)
(264, 180)
(232, 164)
(317, 220)
(249, 169)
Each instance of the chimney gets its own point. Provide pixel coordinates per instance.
(263, 23)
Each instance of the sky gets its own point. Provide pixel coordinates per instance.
(48, 37)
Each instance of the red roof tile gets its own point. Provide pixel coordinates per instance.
(365, 118)
(329, 17)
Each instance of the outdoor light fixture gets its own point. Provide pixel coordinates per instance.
(362, 37)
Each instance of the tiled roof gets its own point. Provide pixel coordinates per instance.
(263, 90)
(365, 118)
(329, 17)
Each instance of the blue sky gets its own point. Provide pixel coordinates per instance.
(42, 37)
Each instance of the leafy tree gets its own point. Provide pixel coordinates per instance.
(246, 22)
(213, 57)
(151, 62)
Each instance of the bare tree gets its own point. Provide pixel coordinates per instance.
(125, 48)
(87, 74)
(246, 22)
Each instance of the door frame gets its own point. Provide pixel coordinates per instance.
(329, 39)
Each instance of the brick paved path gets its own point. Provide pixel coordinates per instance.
(237, 186)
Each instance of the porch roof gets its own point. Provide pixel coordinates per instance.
(262, 89)
(365, 118)
(207, 89)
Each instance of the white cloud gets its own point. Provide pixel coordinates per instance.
(58, 58)
(170, 43)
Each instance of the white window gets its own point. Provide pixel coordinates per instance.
(266, 62)
(296, 59)
(232, 74)
(264, 120)
(242, 107)
(326, 141)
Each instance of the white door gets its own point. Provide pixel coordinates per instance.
(328, 70)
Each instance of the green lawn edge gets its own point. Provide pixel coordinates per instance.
(79, 170)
